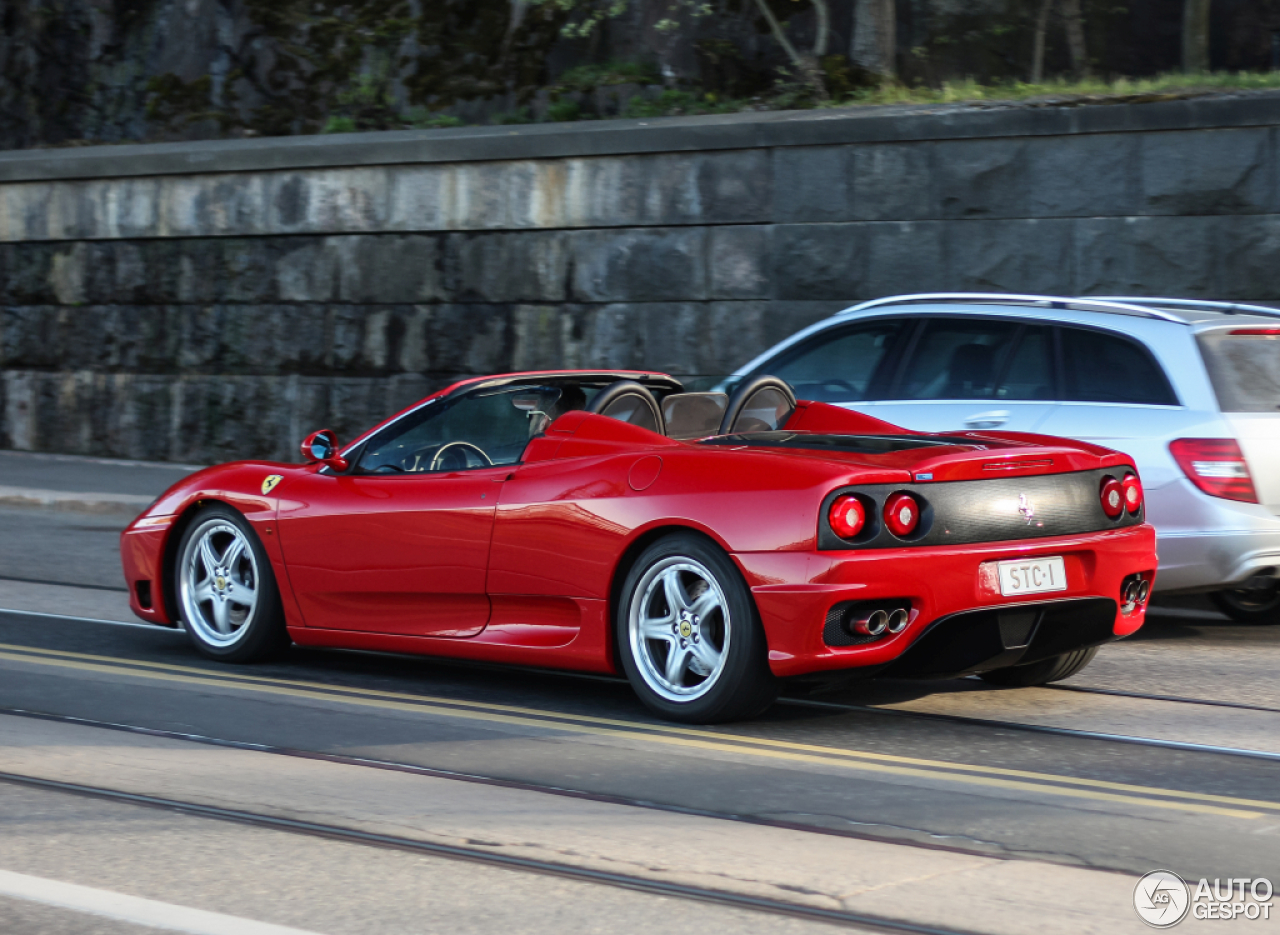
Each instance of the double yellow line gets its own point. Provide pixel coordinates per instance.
(989, 777)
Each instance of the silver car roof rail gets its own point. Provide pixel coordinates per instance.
(1228, 308)
(1040, 301)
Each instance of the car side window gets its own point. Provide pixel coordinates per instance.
(1028, 372)
(840, 365)
(1107, 368)
(475, 431)
(970, 358)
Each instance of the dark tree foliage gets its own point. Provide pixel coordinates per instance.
(73, 71)
(43, 71)
(468, 49)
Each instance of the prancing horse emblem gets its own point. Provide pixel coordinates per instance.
(269, 484)
(1025, 508)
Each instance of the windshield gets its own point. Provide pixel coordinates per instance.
(484, 428)
(1244, 365)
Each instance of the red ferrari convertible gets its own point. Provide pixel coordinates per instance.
(706, 546)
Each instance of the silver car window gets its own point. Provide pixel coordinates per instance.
(1244, 365)
(1107, 368)
(839, 365)
(967, 358)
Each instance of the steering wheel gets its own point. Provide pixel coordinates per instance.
(439, 455)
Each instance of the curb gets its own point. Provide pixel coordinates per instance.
(124, 505)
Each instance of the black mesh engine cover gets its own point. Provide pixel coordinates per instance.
(995, 510)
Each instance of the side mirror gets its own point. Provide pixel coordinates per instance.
(322, 447)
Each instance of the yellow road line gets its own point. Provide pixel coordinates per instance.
(633, 728)
(725, 743)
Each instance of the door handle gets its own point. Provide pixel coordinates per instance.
(987, 420)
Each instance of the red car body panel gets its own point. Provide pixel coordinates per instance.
(521, 563)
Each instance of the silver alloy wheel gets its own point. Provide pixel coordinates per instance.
(218, 583)
(679, 628)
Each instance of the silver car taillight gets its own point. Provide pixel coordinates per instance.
(1216, 466)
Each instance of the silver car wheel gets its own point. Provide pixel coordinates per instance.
(679, 628)
(218, 583)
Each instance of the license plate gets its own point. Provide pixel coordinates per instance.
(1032, 576)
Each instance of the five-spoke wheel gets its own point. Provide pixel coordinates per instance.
(680, 628)
(226, 591)
(692, 643)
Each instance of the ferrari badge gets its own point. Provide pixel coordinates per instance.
(269, 484)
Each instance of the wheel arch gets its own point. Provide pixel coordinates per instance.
(627, 561)
(169, 558)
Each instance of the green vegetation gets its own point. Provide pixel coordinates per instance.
(564, 111)
(1172, 85)
(422, 119)
(332, 66)
(793, 95)
(521, 115)
(589, 77)
(788, 95)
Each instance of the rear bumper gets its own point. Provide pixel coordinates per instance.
(959, 622)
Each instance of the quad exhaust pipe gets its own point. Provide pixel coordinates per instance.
(1134, 592)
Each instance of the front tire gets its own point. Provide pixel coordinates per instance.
(1053, 669)
(1250, 605)
(689, 636)
(226, 590)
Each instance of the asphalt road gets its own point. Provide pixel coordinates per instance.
(338, 792)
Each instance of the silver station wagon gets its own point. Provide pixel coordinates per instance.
(1190, 389)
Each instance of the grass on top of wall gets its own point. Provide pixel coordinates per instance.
(1089, 90)
(565, 106)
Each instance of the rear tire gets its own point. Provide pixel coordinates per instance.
(689, 635)
(1250, 605)
(1053, 669)
(226, 591)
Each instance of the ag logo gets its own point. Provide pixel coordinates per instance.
(1161, 898)
(269, 484)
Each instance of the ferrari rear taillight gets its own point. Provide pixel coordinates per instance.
(1131, 488)
(1216, 466)
(848, 516)
(901, 514)
(1112, 497)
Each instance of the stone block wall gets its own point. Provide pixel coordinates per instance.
(199, 302)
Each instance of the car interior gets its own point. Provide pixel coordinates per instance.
(491, 426)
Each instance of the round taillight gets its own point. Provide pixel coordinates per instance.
(1112, 497)
(901, 514)
(847, 516)
(1131, 488)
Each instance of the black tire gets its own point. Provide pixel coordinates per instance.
(722, 625)
(254, 633)
(1250, 605)
(1053, 669)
